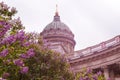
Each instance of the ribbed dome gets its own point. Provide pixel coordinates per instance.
(57, 24)
(57, 28)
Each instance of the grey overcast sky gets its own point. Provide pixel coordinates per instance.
(91, 21)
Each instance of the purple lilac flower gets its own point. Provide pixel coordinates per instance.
(5, 7)
(89, 70)
(81, 79)
(4, 53)
(99, 73)
(108, 79)
(24, 56)
(18, 20)
(20, 36)
(7, 61)
(13, 10)
(30, 52)
(26, 44)
(8, 40)
(1, 3)
(5, 75)
(3, 23)
(5, 27)
(18, 62)
(86, 78)
(15, 21)
(24, 70)
(94, 77)
(11, 39)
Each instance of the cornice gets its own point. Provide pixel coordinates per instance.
(97, 56)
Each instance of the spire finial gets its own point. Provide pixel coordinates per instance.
(56, 17)
(56, 13)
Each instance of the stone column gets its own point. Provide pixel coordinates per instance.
(106, 72)
(112, 77)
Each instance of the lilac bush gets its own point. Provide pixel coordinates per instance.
(87, 74)
(15, 46)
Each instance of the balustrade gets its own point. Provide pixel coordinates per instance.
(97, 48)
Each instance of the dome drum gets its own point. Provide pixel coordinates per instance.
(57, 33)
(60, 39)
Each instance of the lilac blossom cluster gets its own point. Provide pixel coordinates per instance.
(88, 75)
(22, 39)
(4, 53)
(20, 63)
(30, 53)
(6, 11)
(19, 36)
(4, 27)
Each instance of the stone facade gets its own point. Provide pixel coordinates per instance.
(103, 57)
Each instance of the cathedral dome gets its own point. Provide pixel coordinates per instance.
(57, 28)
(57, 24)
(58, 32)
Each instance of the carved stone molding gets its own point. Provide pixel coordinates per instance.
(93, 58)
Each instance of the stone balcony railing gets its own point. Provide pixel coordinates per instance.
(96, 48)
